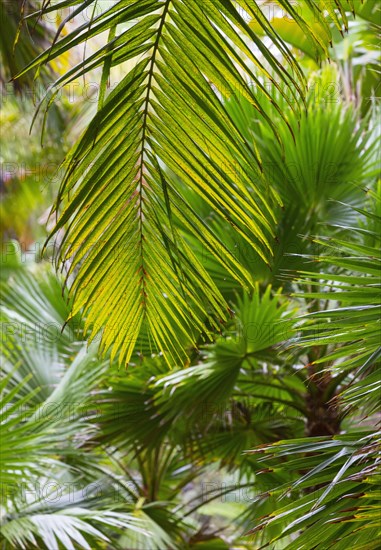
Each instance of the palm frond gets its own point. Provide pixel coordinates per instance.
(333, 490)
(68, 529)
(350, 284)
(46, 430)
(20, 41)
(335, 501)
(121, 219)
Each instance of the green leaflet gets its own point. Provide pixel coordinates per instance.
(120, 216)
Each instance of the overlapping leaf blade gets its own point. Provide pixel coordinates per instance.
(120, 211)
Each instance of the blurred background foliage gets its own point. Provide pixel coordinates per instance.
(152, 458)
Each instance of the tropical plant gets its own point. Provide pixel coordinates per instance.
(19, 46)
(54, 491)
(221, 238)
(166, 111)
(335, 497)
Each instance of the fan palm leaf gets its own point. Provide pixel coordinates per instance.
(45, 430)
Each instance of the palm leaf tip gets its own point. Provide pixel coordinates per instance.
(159, 115)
